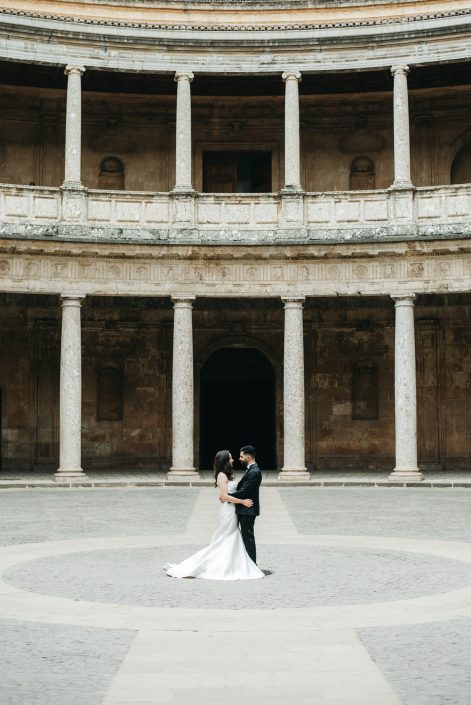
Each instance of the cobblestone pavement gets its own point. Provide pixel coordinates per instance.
(369, 602)
(336, 577)
(44, 664)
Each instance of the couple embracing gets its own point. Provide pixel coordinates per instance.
(231, 555)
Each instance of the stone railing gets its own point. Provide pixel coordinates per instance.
(31, 211)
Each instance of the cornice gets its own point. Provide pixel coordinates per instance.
(247, 253)
(235, 27)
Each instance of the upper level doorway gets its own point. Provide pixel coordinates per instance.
(237, 172)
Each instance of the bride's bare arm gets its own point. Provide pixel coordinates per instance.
(225, 497)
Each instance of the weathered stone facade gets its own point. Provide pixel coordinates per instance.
(200, 200)
(134, 335)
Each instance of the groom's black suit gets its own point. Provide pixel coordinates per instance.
(248, 488)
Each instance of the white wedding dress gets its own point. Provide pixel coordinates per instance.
(225, 558)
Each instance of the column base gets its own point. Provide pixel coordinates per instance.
(73, 186)
(406, 475)
(290, 189)
(72, 475)
(294, 475)
(183, 475)
(402, 186)
(183, 190)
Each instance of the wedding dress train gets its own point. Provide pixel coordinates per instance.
(225, 558)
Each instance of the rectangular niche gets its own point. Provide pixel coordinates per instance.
(109, 394)
(365, 392)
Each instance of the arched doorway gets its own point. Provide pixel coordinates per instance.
(461, 167)
(237, 405)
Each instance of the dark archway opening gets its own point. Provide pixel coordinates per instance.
(461, 166)
(237, 405)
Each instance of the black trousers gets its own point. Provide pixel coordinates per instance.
(246, 523)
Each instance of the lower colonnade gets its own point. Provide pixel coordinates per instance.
(293, 407)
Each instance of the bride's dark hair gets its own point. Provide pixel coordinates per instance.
(222, 464)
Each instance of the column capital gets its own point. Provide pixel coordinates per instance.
(71, 68)
(404, 299)
(291, 76)
(72, 299)
(399, 69)
(184, 76)
(183, 300)
(293, 301)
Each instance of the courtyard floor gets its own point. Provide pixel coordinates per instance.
(368, 601)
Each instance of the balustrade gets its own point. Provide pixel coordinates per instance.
(332, 214)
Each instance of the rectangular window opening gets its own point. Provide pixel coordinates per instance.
(237, 172)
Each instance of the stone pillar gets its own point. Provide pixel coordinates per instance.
(292, 161)
(401, 128)
(405, 391)
(183, 132)
(73, 127)
(294, 467)
(182, 391)
(70, 416)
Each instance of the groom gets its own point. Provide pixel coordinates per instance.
(248, 488)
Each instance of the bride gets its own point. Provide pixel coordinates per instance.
(225, 558)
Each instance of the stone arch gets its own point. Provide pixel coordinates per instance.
(268, 393)
(111, 176)
(362, 174)
(460, 172)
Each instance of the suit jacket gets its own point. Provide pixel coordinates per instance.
(248, 488)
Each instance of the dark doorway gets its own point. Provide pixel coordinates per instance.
(236, 172)
(1, 427)
(461, 167)
(237, 405)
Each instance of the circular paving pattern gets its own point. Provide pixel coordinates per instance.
(303, 576)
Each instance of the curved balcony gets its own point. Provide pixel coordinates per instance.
(119, 216)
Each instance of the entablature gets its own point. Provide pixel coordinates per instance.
(253, 272)
(269, 43)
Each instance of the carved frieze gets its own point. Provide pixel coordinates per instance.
(92, 273)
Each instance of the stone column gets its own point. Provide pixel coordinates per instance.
(294, 467)
(182, 391)
(405, 391)
(292, 162)
(70, 422)
(73, 127)
(183, 132)
(401, 128)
